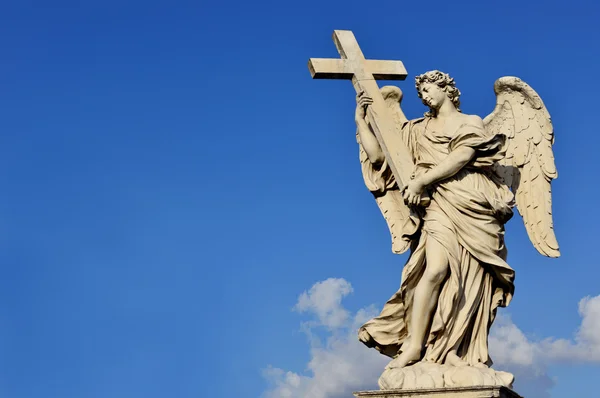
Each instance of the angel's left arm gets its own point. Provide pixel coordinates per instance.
(452, 164)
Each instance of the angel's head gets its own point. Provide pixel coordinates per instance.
(434, 88)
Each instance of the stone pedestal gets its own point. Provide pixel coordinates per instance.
(456, 392)
(431, 375)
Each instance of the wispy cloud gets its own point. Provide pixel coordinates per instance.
(340, 364)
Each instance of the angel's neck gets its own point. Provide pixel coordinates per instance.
(446, 110)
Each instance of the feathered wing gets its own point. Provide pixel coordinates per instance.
(396, 214)
(379, 179)
(528, 167)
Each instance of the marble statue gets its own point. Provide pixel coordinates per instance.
(446, 183)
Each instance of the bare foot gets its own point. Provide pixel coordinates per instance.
(454, 360)
(408, 356)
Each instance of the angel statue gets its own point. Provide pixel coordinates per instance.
(468, 174)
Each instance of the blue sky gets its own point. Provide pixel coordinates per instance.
(173, 180)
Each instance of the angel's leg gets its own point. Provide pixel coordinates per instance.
(425, 301)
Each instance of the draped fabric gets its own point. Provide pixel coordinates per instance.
(466, 216)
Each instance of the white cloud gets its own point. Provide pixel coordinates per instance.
(340, 364)
(510, 346)
(529, 359)
(324, 299)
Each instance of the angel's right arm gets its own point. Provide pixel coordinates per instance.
(368, 140)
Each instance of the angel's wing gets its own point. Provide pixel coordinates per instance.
(379, 180)
(528, 167)
(402, 222)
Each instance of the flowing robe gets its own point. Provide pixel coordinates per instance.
(466, 216)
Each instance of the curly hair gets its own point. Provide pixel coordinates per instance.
(443, 81)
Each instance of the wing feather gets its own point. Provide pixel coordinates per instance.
(528, 167)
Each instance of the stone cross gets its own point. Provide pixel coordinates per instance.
(363, 73)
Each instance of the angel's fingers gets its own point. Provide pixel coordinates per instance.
(416, 200)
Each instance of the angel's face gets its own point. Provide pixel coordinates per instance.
(432, 95)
